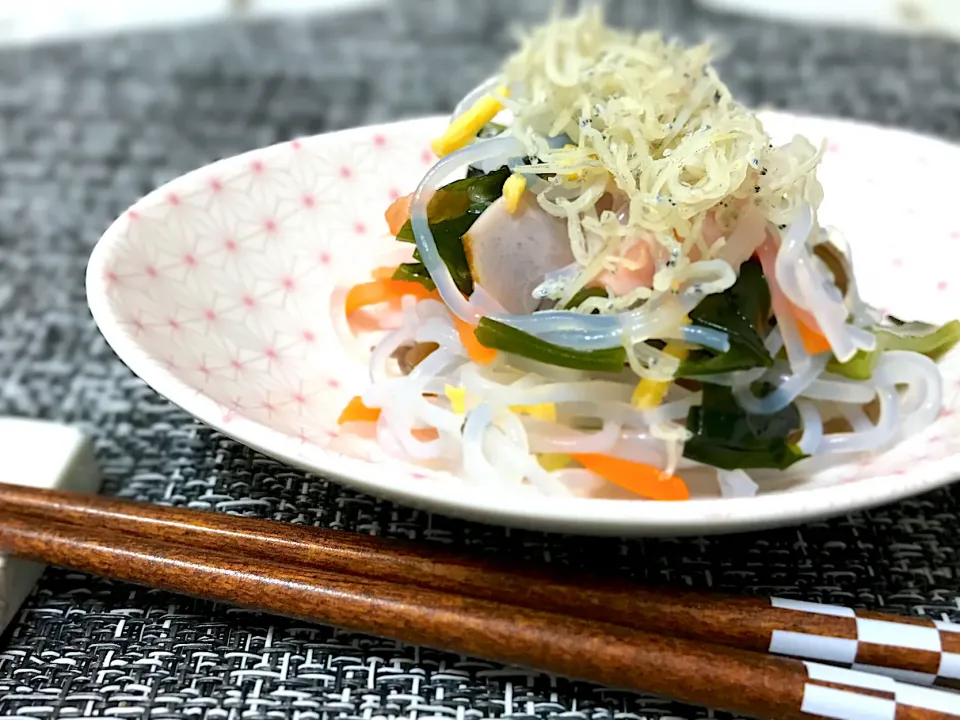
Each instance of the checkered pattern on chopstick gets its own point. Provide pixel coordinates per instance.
(832, 692)
(915, 650)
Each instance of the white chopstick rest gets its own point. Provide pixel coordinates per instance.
(42, 455)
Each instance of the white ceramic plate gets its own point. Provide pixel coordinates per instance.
(216, 290)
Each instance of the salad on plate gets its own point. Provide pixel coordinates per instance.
(615, 277)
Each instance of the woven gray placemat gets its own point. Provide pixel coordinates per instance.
(86, 128)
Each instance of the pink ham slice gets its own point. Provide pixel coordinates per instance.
(646, 254)
(509, 253)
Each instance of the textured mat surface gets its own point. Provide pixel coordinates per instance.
(85, 129)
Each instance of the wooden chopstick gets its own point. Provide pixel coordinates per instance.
(806, 630)
(739, 681)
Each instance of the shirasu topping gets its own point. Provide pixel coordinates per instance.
(649, 123)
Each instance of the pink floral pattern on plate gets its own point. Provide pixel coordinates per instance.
(217, 290)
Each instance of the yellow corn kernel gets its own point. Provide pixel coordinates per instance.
(553, 461)
(512, 191)
(543, 411)
(573, 175)
(466, 127)
(650, 393)
(457, 397)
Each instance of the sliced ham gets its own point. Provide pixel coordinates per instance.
(509, 253)
(639, 273)
(644, 254)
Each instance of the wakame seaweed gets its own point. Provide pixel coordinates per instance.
(451, 212)
(743, 312)
(725, 435)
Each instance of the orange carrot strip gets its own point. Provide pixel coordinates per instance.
(356, 411)
(480, 354)
(381, 291)
(639, 478)
(398, 213)
(425, 434)
(811, 336)
(814, 341)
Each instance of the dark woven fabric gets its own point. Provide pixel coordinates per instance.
(87, 128)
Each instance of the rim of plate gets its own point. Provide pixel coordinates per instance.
(572, 515)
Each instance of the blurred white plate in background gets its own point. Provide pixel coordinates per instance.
(923, 16)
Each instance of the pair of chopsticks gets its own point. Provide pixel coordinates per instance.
(699, 648)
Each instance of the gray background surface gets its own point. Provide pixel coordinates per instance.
(87, 128)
